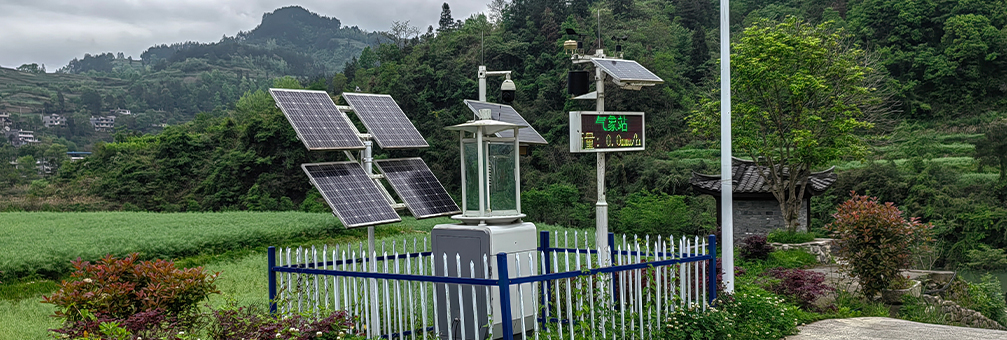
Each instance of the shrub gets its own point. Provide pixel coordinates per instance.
(875, 239)
(987, 298)
(751, 313)
(755, 248)
(649, 213)
(986, 258)
(802, 286)
(251, 323)
(790, 237)
(120, 288)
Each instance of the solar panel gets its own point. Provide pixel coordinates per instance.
(422, 193)
(317, 121)
(385, 121)
(627, 70)
(506, 113)
(351, 193)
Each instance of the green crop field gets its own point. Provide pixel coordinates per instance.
(44, 243)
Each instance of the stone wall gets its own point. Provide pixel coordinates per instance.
(961, 315)
(822, 248)
(759, 217)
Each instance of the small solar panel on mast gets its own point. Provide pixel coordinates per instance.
(506, 113)
(627, 72)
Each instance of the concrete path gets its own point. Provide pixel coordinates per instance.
(890, 329)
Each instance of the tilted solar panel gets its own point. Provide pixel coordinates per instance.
(416, 185)
(626, 70)
(317, 121)
(351, 193)
(506, 113)
(385, 121)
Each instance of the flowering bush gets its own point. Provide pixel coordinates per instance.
(751, 313)
(755, 247)
(803, 286)
(876, 240)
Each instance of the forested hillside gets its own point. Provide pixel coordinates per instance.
(943, 62)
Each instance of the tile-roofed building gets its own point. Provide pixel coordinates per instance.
(756, 210)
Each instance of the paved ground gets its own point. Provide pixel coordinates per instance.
(890, 329)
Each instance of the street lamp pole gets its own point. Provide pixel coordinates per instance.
(726, 187)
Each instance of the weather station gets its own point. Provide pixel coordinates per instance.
(490, 221)
(602, 131)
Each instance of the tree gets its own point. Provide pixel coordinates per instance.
(32, 68)
(992, 149)
(446, 22)
(92, 101)
(800, 92)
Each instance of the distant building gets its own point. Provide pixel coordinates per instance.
(755, 209)
(120, 112)
(53, 120)
(5, 119)
(103, 123)
(77, 155)
(21, 137)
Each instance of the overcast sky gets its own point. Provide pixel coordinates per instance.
(52, 32)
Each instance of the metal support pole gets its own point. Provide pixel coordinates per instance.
(711, 269)
(726, 187)
(544, 247)
(504, 284)
(482, 176)
(461, 146)
(601, 207)
(271, 262)
(368, 161)
(517, 172)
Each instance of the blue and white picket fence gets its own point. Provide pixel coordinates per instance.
(563, 290)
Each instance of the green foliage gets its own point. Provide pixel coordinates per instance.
(986, 258)
(648, 213)
(800, 91)
(120, 287)
(751, 313)
(985, 296)
(556, 204)
(876, 241)
(992, 149)
(786, 236)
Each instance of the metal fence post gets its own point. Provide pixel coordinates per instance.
(503, 279)
(613, 285)
(712, 268)
(271, 255)
(545, 248)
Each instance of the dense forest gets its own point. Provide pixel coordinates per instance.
(943, 63)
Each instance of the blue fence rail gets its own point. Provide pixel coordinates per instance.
(643, 283)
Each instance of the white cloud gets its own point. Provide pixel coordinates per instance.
(52, 32)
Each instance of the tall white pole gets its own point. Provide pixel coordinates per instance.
(726, 188)
(601, 208)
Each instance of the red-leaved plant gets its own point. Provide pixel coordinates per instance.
(876, 241)
(802, 286)
(121, 289)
